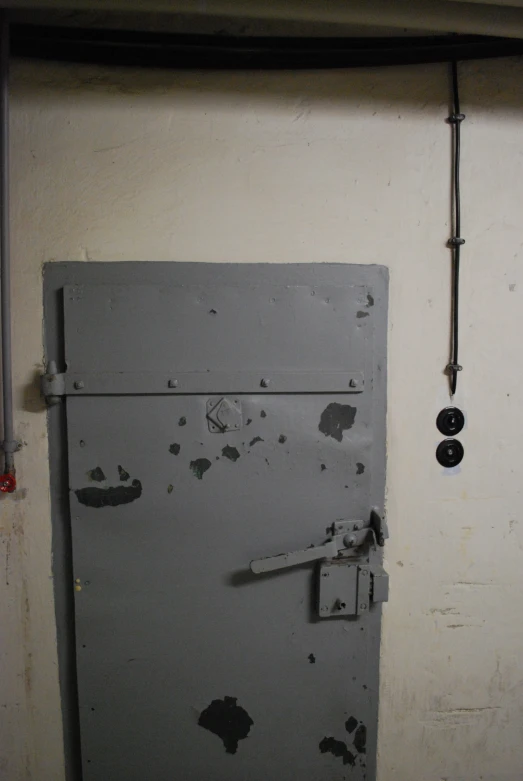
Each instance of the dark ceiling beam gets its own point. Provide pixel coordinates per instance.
(216, 52)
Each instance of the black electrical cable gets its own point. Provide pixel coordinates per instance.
(455, 242)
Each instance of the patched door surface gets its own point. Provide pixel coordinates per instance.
(218, 416)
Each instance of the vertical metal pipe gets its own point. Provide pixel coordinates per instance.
(5, 257)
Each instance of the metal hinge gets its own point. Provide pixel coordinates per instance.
(52, 384)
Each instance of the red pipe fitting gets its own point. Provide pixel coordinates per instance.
(7, 484)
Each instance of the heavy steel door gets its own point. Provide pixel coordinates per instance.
(217, 416)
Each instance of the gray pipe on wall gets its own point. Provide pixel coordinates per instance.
(9, 445)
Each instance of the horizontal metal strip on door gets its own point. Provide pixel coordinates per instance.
(135, 383)
(309, 329)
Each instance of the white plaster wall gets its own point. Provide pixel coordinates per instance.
(344, 167)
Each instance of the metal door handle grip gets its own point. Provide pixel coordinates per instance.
(284, 560)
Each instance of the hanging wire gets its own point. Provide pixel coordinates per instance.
(455, 242)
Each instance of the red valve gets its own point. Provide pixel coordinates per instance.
(7, 483)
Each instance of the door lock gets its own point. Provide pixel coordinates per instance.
(346, 587)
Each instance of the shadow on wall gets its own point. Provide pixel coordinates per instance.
(491, 84)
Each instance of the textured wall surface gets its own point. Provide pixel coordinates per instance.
(340, 167)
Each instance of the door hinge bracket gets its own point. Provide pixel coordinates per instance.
(52, 384)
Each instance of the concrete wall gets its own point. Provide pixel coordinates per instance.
(344, 167)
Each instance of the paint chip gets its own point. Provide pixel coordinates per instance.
(228, 721)
(174, 448)
(360, 739)
(96, 474)
(335, 419)
(230, 452)
(170, 488)
(255, 440)
(361, 314)
(312, 659)
(338, 749)
(370, 299)
(111, 496)
(263, 414)
(323, 467)
(282, 438)
(360, 468)
(123, 474)
(182, 421)
(351, 724)
(199, 467)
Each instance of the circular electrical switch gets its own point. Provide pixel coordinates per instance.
(450, 453)
(450, 421)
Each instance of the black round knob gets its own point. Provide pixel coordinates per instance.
(450, 421)
(450, 452)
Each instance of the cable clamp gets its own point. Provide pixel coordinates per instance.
(455, 241)
(10, 446)
(454, 367)
(454, 119)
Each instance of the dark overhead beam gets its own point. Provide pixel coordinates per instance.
(217, 52)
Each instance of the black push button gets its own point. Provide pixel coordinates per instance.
(450, 452)
(450, 421)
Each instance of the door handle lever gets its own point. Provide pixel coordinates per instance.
(284, 560)
(343, 537)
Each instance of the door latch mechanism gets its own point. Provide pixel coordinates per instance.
(346, 587)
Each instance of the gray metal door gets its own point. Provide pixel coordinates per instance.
(214, 419)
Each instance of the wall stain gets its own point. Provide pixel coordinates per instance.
(323, 467)
(123, 474)
(360, 468)
(335, 419)
(111, 496)
(351, 724)
(256, 439)
(360, 739)
(282, 439)
(312, 659)
(228, 721)
(338, 749)
(174, 448)
(230, 452)
(199, 467)
(361, 314)
(248, 422)
(96, 474)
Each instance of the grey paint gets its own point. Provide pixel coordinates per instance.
(226, 328)
(171, 621)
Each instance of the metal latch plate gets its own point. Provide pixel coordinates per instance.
(223, 414)
(344, 589)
